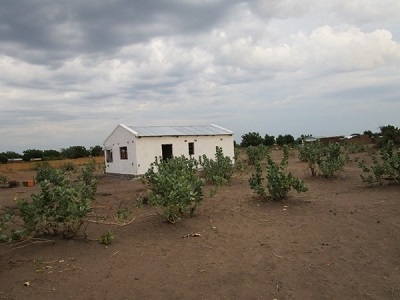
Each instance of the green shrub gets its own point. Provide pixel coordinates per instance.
(5, 231)
(60, 207)
(257, 153)
(220, 170)
(279, 183)
(386, 167)
(4, 181)
(333, 161)
(57, 209)
(68, 167)
(256, 180)
(311, 152)
(327, 159)
(236, 153)
(47, 173)
(123, 215)
(174, 186)
(88, 180)
(354, 148)
(106, 239)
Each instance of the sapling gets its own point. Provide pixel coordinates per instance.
(384, 167)
(219, 170)
(278, 182)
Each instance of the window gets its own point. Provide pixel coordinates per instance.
(123, 152)
(191, 148)
(109, 157)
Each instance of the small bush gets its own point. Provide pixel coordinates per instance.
(68, 167)
(279, 183)
(386, 167)
(4, 181)
(88, 180)
(220, 170)
(57, 209)
(123, 215)
(257, 153)
(47, 173)
(174, 186)
(354, 148)
(333, 161)
(60, 207)
(5, 231)
(311, 152)
(106, 239)
(328, 160)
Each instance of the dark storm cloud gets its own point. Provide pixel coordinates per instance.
(46, 31)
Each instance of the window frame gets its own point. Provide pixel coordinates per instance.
(123, 153)
(191, 148)
(109, 155)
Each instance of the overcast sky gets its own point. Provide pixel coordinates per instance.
(71, 71)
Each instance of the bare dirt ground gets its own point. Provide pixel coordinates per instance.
(340, 240)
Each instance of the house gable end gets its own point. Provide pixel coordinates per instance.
(116, 128)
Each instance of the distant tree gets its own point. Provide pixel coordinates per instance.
(369, 133)
(390, 133)
(251, 139)
(287, 139)
(96, 150)
(269, 140)
(51, 154)
(301, 139)
(75, 152)
(3, 158)
(280, 140)
(12, 154)
(32, 153)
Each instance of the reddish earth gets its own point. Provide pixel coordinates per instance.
(340, 240)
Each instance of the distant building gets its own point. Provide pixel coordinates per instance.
(36, 159)
(129, 150)
(357, 139)
(310, 139)
(13, 160)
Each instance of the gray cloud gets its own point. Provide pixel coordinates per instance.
(72, 70)
(55, 30)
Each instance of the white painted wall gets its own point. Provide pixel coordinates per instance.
(121, 138)
(142, 151)
(150, 147)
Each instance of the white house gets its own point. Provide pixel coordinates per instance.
(130, 150)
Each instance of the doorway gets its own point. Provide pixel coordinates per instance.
(166, 151)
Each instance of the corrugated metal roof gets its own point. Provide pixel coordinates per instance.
(179, 130)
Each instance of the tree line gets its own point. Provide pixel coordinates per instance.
(255, 139)
(386, 133)
(70, 152)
